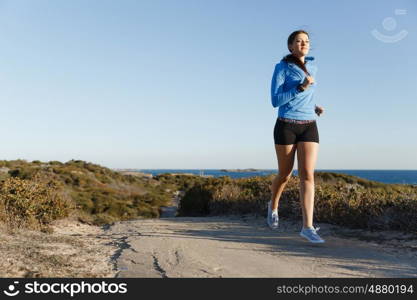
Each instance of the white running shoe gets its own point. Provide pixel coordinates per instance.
(311, 235)
(272, 218)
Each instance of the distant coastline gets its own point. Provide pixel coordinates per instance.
(384, 176)
(241, 170)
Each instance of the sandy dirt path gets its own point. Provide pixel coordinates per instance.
(72, 250)
(244, 247)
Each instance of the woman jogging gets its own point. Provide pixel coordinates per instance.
(295, 130)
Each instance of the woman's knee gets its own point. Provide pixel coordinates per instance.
(284, 177)
(306, 176)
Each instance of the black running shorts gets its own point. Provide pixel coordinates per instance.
(286, 133)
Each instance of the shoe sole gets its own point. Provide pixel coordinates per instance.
(314, 242)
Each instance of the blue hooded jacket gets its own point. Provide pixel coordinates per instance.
(292, 103)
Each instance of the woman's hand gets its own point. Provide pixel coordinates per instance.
(319, 110)
(309, 80)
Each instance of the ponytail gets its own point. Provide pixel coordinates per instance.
(293, 59)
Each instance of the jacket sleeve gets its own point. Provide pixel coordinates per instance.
(280, 97)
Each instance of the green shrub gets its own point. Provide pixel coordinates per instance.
(30, 203)
(339, 199)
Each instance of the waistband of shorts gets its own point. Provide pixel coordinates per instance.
(296, 121)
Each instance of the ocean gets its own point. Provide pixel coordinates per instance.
(384, 176)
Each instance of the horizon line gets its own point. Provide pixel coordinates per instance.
(259, 169)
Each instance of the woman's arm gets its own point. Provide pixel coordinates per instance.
(280, 97)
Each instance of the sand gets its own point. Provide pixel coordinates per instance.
(229, 246)
(245, 247)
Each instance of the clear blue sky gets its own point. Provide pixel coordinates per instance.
(185, 83)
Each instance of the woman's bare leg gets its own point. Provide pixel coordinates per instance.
(307, 157)
(285, 157)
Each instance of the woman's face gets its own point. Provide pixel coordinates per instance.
(300, 46)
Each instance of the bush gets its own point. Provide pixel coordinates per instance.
(339, 199)
(31, 203)
(99, 193)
